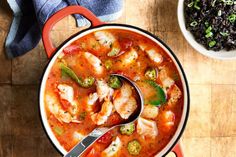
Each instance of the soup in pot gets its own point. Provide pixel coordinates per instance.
(81, 94)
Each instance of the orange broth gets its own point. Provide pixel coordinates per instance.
(75, 60)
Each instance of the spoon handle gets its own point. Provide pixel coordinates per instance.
(86, 142)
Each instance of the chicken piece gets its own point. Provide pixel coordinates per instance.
(126, 109)
(126, 90)
(66, 92)
(91, 99)
(104, 38)
(95, 62)
(94, 152)
(124, 103)
(103, 90)
(147, 128)
(54, 107)
(102, 116)
(174, 94)
(61, 55)
(143, 46)
(167, 82)
(169, 119)
(150, 112)
(129, 57)
(78, 136)
(113, 148)
(154, 56)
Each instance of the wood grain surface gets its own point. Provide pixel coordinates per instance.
(211, 129)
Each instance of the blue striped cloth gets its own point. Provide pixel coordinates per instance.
(30, 16)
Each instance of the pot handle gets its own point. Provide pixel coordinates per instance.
(49, 48)
(178, 151)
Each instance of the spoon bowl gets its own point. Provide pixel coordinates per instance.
(98, 132)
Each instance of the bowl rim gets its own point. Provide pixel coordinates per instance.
(174, 140)
(222, 54)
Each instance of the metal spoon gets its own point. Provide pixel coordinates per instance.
(98, 132)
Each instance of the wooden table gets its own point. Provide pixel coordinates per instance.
(211, 129)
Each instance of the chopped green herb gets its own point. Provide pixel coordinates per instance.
(79, 97)
(82, 115)
(58, 130)
(108, 64)
(224, 34)
(229, 2)
(209, 29)
(83, 45)
(213, 3)
(208, 35)
(219, 13)
(114, 51)
(232, 18)
(212, 43)
(194, 24)
(94, 46)
(206, 24)
(190, 4)
(196, 4)
(175, 76)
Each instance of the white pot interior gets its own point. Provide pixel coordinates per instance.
(48, 69)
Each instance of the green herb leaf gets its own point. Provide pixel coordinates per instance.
(159, 97)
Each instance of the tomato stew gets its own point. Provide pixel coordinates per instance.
(81, 95)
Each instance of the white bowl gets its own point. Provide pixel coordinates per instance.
(222, 54)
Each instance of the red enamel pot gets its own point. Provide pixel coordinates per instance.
(96, 24)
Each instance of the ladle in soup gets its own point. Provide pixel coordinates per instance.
(98, 132)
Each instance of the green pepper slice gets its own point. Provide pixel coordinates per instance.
(86, 83)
